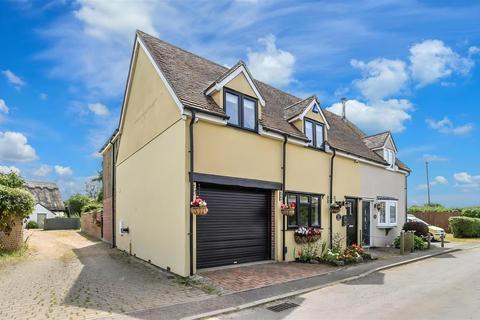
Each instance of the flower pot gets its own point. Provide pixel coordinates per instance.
(199, 211)
(306, 239)
(288, 212)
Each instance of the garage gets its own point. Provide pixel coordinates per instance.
(236, 228)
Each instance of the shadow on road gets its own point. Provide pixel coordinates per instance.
(377, 278)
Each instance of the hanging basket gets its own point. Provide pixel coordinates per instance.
(288, 212)
(306, 239)
(335, 209)
(199, 211)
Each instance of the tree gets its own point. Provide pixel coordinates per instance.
(76, 203)
(11, 180)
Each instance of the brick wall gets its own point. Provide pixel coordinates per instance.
(15, 239)
(107, 220)
(91, 225)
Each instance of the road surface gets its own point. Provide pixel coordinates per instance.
(445, 287)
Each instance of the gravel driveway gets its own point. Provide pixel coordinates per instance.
(68, 276)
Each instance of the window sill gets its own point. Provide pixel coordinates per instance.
(242, 128)
(386, 226)
(316, 149)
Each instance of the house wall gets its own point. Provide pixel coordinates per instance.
(39, 209)
(151, 174)
(107, 195)
(375, 182)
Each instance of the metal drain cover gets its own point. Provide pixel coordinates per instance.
(282, 306)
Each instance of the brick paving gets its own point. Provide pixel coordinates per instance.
(67, 276)
(261, 275)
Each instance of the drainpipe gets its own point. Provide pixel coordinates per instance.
(406, 195)
(331, 195)
(192, 122)
(284, 173)
(114, 197)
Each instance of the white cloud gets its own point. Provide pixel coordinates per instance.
(14, 147)
(273, 66)
(446, 126)
(436, 181)
(440, 180)
(432, 60)
(103, 19)
(473, 51)
(433, 157)
(43, 171)
(13, 79)
(466, 181)
(63, 171)
(8, 169)
(381, 77)
(98, 109)
(3, 106)
(377, 116)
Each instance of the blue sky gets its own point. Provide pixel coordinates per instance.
(411, 67)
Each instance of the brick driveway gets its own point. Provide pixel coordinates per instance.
(67, 276)
(260, 275)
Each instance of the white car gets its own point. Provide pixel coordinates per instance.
(435, 232)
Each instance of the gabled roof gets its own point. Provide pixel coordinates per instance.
(378, 141)
(47, 194)
(191, 76)
(297, 108)
(239, 67)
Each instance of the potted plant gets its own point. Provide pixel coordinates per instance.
(306, 235)
(198, 207)
(288, 209)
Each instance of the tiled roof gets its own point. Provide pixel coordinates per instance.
(47, 194)
(191, 75)
(376, 140)
(297, 108)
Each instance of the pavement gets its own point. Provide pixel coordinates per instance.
(69, 276)
(443, 287)
(232, 302)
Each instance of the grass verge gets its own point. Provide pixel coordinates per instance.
(13, 256)
(451, 238)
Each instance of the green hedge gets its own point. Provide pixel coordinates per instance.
(415, 209)
(472, 212)
(465, 227)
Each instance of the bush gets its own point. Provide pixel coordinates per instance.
(15, 203)
(472, 212)
(32, 225)
(465, 227)
(11, 180)
(76, 203)
(421, 229)
(92, 206)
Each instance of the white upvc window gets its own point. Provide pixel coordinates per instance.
(389, 156)
(387, 213)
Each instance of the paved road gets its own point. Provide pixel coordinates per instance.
(69, 276)
(445, 287)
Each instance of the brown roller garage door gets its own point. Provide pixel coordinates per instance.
(237, 227)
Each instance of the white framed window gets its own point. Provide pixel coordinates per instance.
(314, 132)
(387, 213)
(389, 156)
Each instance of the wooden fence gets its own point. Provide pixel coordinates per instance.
(439, 219)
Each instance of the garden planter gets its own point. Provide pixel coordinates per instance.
(306, 239)
(288, 212)
(199, 211)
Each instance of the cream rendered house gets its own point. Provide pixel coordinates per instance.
(190, 127)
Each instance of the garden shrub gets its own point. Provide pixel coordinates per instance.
(15, 203)
(421, 229)
(92, 206)
(431, 208)
(32, 225)
(465, 227)
(472, 212)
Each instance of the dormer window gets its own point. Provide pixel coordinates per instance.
(314, 132)
(389, 156)
(241, 110)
